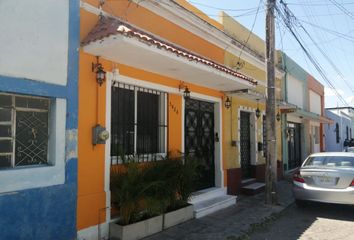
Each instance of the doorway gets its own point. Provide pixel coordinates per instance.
(199, 139)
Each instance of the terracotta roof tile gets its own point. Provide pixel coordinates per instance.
(110, 26)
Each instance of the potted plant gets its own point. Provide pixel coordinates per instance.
(131, 194)
(183, 182)
(152, 196)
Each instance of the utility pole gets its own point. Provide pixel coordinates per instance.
(271, 155)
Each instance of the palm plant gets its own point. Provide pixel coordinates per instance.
(153, 188)
(187, 178)
(130, 192)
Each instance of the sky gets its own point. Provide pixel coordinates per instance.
(330, 24)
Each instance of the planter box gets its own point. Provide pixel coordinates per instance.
(178, 216)
(136, 230)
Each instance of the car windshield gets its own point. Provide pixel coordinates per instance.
(330, 162)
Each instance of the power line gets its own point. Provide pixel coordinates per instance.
(329, 60)
(342, 8)
(288, 19)
(250, 12)
(250, 32)
(222, 9)
(316, 4)
(323, 50)
(335, 33)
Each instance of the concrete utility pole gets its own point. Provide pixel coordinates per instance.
(271, 157)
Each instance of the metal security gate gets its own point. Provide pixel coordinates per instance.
(138, 124)
(245, 142)
(199, 139)
(294, 145)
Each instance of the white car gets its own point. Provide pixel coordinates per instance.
(325, 177)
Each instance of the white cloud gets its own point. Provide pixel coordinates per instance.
(329, 92)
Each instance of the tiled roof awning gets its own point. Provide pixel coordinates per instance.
(120, 42)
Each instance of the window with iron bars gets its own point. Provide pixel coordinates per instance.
(138, 124)
(23, 130)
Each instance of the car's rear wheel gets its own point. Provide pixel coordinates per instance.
(301, 203)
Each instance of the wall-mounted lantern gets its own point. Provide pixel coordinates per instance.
(258, 112)
(100, 73)
(278, 116)
(186, 92)
(227, 103)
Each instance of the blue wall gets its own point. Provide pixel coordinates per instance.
(47, 213)
(343, 122)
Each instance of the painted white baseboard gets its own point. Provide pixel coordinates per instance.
(97, 232)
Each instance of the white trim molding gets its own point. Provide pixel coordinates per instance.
(107, 175)
(97, 232)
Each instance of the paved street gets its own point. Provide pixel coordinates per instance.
(251, 219)
(231, 223)
(316, 221)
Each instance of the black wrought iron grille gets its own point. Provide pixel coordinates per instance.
(138, 124)
(199, 139)
(23, 130)
(245, 142)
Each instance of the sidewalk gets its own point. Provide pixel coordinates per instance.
(233, 222)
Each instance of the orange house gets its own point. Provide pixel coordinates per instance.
(153, 54)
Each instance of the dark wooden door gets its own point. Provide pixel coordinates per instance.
(245, 144)
(199, 139)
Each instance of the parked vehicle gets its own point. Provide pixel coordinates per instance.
(325, 177)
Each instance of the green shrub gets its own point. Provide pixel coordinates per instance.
(141, 191)
(130, 193)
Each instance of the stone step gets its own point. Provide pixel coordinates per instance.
(248, 181)
(206, 194)
(253, 188)
(212, 205)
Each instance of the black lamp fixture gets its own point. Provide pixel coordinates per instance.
(186, 92)
(227, 103)
(100, 73)
(258, 112)
(278, 116)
